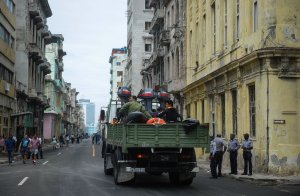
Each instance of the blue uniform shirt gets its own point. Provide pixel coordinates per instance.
(247, 145)
(220, 143)
(233, 145)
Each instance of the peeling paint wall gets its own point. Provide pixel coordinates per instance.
(267, 57)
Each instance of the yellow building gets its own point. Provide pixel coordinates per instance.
(7, 62)
(243, 75)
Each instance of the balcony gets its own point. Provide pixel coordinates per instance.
(32, 93)
(61, 66)
(164, 38)
(46, 68)
(156, 57)
(34, 50)
(20, 87)
(33, 8)
(157, 19)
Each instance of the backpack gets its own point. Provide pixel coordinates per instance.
(25, 143)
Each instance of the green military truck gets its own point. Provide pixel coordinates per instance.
(154, 149)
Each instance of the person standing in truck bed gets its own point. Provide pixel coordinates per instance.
(170, 114)
(133, 106)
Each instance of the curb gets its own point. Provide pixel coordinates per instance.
(261, 180)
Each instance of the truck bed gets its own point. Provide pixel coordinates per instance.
(156, 136)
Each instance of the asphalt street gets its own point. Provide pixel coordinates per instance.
(78, 170)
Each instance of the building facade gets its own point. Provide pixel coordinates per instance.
(243, 75)
(7, 65)
(31, 66)
(89, 115)
(139, 42)
(118, 62)
(166, 67)
(55, 89)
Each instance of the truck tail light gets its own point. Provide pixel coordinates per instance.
(141, 156)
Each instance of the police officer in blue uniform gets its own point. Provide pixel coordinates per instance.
(220, 150)
(233, 147)
(247, 155)
(213, 165)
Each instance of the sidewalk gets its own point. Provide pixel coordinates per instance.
(259, 178)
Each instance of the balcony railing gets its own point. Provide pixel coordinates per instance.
(156, 56)
(34, 8)
(158, 18)
(20, 86)
(165, 38)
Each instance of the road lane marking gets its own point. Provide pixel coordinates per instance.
(23, 181)
(45, 163)
(93, 151)
(59, 154)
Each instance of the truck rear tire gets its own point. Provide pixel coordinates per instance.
(107, 171)
(116, 169)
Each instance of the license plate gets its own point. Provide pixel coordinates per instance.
(135, 170)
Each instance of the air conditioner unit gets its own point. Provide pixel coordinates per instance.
(7, 87)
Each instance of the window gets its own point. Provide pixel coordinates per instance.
(252, 110)
(118, 63)
(225, 24)
(5, 35)
(10, 5)
(234, 111)
(148, 48)
(212, 103)
(147, 26)
(119, 73)
(237, 20)
(204, 30)
(255, 17)
(147, 5)
(196, 110)
(203, 111)
(213, 11)
(6, 74)
(223, 113)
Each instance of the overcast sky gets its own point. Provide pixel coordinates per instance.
(91, 28)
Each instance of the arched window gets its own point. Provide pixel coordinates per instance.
(177, 12)
(177, 63)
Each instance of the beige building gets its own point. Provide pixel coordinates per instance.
(7, 64)
(243, 75)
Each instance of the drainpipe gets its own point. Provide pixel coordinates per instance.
(268, 131)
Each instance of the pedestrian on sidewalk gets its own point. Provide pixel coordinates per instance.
(34, 146)
(220, 150)
(67, 138)
(54, 142)
(61, 141)
(247, 155)
(40, 155)
(233, 147)
(2, 143)
(23, 148)
(10, 145)
(213, 164)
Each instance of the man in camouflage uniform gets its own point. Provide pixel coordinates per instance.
(133, 106)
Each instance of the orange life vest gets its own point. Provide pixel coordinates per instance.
(156, 121)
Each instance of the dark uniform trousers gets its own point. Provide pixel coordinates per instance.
(247, 155)
(233, 161)
(219, 160)
(213, 166)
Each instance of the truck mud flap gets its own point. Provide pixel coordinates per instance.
(123, 175)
